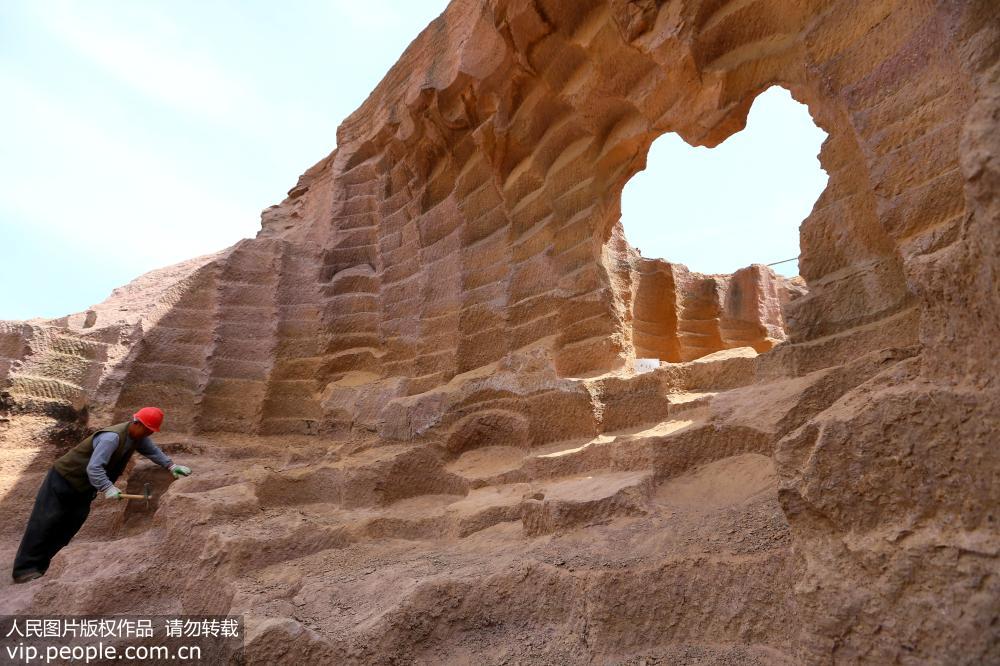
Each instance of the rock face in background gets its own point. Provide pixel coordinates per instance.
(409, 402)
(678, 315)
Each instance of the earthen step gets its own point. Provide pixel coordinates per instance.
(79, 347)
(686, 401)
(65, 367)
(375, 477)
(659, 395)
(250, 545)
(670, 448)
(587, 499)
(306, 423)
(45, 389)
(434, 517)
(726, 369)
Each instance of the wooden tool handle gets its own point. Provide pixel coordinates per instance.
(124, 496)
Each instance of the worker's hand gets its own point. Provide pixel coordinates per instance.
(180, 470)
(113, 493)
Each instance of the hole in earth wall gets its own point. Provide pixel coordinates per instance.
(720, 209)
(721, 216)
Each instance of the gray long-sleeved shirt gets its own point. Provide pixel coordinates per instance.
(105, 444)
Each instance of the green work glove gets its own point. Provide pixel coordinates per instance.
(180, 470)
(113, 493)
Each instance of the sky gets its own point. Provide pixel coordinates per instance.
(720, 209)
(134, 135)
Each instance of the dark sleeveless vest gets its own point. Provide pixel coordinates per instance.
(73, 464)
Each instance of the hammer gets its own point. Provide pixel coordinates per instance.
(146, 494)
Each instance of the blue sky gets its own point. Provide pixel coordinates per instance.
(139, 134)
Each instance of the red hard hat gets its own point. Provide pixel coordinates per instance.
(151, 417)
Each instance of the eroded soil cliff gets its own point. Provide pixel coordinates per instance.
(411, 403)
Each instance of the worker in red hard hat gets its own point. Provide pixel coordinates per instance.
(92, 466)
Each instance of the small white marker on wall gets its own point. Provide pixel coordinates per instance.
(644, 365)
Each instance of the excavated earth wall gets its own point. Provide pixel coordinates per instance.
(412, 405)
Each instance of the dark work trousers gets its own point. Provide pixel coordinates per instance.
(59, 513)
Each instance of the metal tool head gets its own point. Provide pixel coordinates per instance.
(147, 493)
